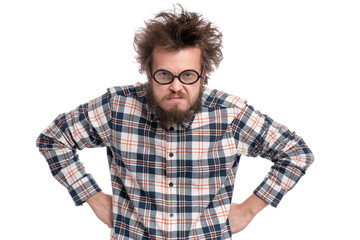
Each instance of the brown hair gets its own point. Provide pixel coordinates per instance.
(173, 30)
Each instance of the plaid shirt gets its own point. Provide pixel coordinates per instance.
(174, 183)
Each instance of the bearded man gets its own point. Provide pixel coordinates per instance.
(173, 144)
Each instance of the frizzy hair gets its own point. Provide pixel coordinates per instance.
(176, 30)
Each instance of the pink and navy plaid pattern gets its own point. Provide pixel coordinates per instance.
(174, 183)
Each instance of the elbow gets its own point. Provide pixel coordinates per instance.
(41, 141)
(309, 158)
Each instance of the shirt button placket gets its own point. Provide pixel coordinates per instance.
(172, 192)
(171, 165)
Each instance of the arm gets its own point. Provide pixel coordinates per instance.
(101, 204)
(258, 135)
(240, 215)
(85, 127)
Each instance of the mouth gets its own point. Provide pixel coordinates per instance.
(174, 98)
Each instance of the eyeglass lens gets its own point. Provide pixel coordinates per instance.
(187, 76)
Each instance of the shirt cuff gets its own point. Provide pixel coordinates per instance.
(270, 192)
(83, 189)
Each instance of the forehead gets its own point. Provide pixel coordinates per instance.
(176, 60)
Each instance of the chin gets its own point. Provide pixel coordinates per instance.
(177, 107)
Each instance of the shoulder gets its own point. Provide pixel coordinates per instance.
(129, 98)
(137, 90)
(214, 98)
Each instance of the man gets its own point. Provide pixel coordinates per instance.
(173, 144)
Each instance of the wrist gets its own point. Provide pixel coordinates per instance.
(94, 198)
(255, 204)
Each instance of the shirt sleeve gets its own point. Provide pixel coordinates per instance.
(258, 135)
(87, 126)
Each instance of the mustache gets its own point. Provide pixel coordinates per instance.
(179, 94)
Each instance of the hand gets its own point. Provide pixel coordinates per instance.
(240, 215)
(101, 204)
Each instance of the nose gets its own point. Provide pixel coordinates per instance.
(176, 85)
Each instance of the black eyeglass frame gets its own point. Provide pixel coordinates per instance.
(177, 76)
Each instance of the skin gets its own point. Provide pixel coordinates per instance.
(167, 96)
(240, 215)
(176, 93)
(101, 204)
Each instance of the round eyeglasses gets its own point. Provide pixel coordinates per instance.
(164, 77)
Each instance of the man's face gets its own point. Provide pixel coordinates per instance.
(176, 96)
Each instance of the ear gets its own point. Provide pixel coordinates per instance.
(204, 78)
(147, 72)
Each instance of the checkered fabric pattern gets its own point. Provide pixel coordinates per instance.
(177, 182)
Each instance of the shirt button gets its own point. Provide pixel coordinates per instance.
(171, 155)
(171, 215)
(171, 184)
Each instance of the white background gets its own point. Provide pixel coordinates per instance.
(297, 61)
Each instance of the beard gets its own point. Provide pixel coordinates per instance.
(174, 115)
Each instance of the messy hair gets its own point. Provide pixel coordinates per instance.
(175, 30)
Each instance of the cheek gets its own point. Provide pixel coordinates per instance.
(159, 93)
(194, 94)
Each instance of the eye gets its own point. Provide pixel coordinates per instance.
(189, 75)
(163, 74)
